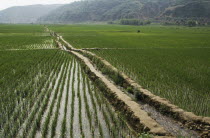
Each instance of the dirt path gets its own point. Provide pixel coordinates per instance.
(139, 111)
(185, 123)
(146, 121)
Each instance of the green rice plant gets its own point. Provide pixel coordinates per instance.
(72, 101)
(47, 121)
(95, 109)
(63, 128)
(37, 108)
(118, 36)
(54, 121)
(80, 102)
(36, 124)
(170, 61)
(22, 38)
(181, 77)
(28, 89)
(145, 135)
(87, 107)
(34, 112)
(25, 113)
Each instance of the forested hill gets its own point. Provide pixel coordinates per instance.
(189, 10)
(110, 10)
(25, 14)
(105, 10)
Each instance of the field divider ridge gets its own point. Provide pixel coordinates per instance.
(138, 118)
(190, 120)
(199, 124)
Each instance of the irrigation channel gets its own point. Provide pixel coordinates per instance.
(157, 123)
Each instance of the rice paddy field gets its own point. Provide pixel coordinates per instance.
(24, 37)
(45, 93)
(170, 61)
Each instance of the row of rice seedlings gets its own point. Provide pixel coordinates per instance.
(54, 99)
(14, 115)
(100, 114)
(76, 125)
(13, 127)
(27, 104)
(177, 90)
(112, 124)
(80, 102)
(54, 121)
(84, 118)
(55, 85)
(63, 127)
(21, 88)
(116, 120)
(37, 122)
(39, 46)
(36, 107)
(97, 122)
(72, 102)
(61, 110)
(12, 84)
(27, 124)
(113, 121)
(48, 122)
(69, 104)
(27, 88)
(87, 107)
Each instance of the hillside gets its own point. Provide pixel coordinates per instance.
(104, 10)
(111, 10)
(25, 14)
(190, 10)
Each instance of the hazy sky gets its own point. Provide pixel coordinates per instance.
(9, 3)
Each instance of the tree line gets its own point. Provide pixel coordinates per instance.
(134, 22)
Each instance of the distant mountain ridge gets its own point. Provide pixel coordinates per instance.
(111, 10)
(189, 10)
(108, 10)
(26, 14)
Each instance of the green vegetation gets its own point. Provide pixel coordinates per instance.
(45, 93)
(180, 75)
(134, 22)
(24, 37)
(115, 10)
(172, 62)
(118, 36)
(21, 68)
(9, 28)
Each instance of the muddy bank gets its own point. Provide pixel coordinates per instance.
(188, 119)
(138, 119)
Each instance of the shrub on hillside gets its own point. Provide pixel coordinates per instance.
(191, 23)
(134, 22)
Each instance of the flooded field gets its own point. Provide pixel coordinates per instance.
(67, 105)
